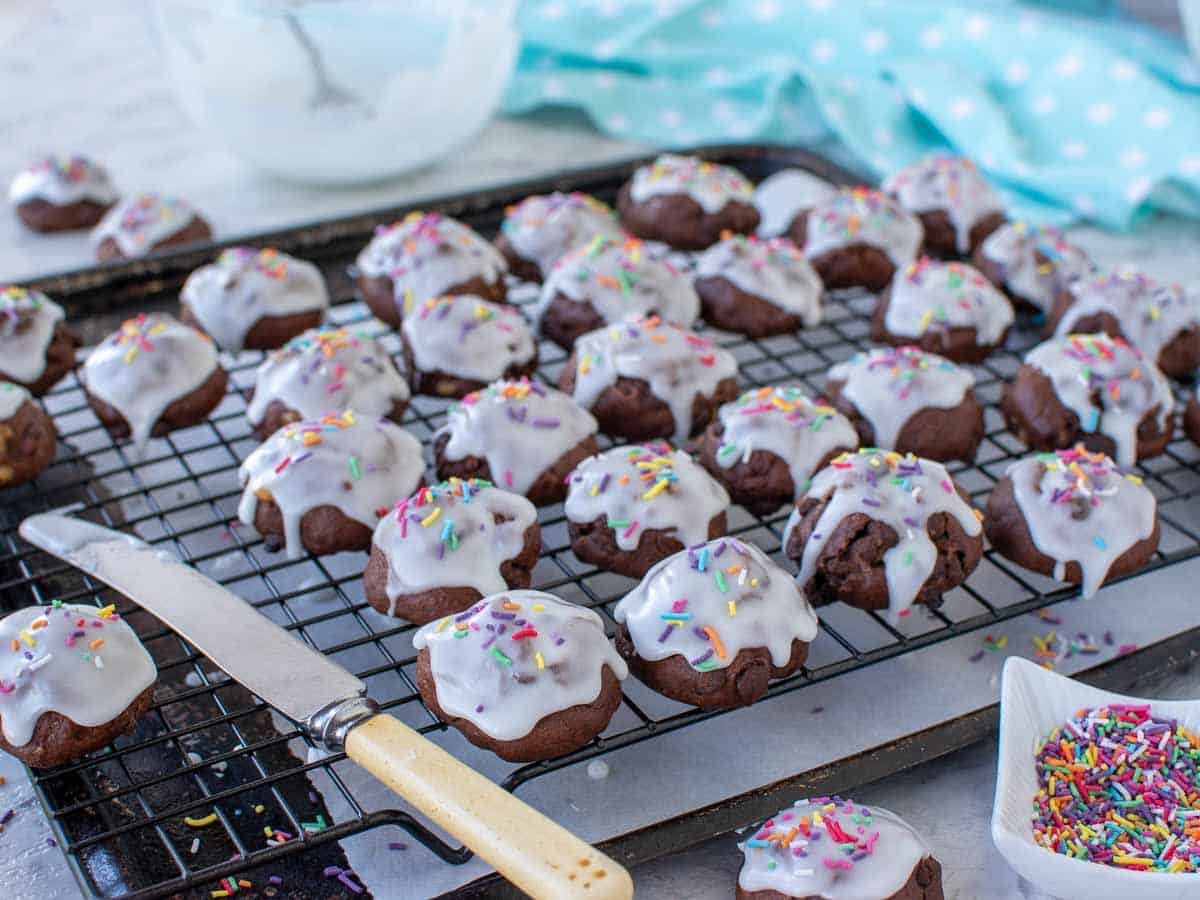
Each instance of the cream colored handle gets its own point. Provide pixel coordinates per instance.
(537, 855)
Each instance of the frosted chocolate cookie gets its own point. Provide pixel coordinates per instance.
(252, 299)
(1031, 264)
(454, 345)
(28, 439)
(686, 202)
(324, 371)
(944, 308)
(142, 223)
(72, 679)
(1074, 516)
(322, 485)
(522, 435)
(66, 193)
(779, 198)
(1094, 390)
(878, 530)
(908, 400)
(521, 673)
(36, 347)
(1161, 320)
(153, 376)
(445, 547)
(422, 256)
(858, 238)
(714, 625)
(607, 280)
(540, 229)
(629, 507)
(766, 445)
(828, 848)
(1191, 417)
(758, 288)
(957, 207)
(645, 378)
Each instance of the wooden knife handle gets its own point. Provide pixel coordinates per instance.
(540, 857)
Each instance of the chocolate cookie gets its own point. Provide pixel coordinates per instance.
(879, 530)
(907, 400)
(645, 378)
(521, 673)
(857, 238)
(72, 679)
(153, 376)
(944, 308)
(714, 625)
(758, 288)
(144, 223)
(446, 546)
(322, 485)
(686, 202)
(522, 435)
(1090, 389)
(540, 229)
(61, 194)
(1191, 418)
(630, 507)
(765, 446)
(422, 256)
(1030, 264)
(252, 299)
(1074, 516)
(454, 345)
(957, 207)
(27, 437)
(36, 347)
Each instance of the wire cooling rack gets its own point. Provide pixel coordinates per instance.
(212, 784)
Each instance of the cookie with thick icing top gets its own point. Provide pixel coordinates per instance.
(540, 229)
(1031, 264)
(61, 193)
(630, 507)
(1073, 515)
(609, 279)
(322, 485)
(714, 625)
(766, 445)
(908, 400)
(645, 378)
(780, 197)
(957, 206)
(880, 530)
(521, 673)
(36, 347)
(426, 255)
(28, 439)
(140, 224)
(947, 308)
(524, 436)
(686, 202)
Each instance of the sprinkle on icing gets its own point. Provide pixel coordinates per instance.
(709, 184)
(28, 320)
(863, 215)
(938, 296)
(62, 181)
(773, 269)
(951, 184)
(1034, 263)
(141, 222)
(467, 337)
(543, 227)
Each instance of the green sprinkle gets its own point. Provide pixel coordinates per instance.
(707, 664)
(618, 523)
(721, 584)
(500, 657)
(355, 471)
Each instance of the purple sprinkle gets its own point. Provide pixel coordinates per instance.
(703, 657)
(398, 845)
(275, 880)
(479, 708)
(545, 423)
(491, 640)
(870, 501)
(816, 536)
(976, 657)
(559, 641)
(911, 522)
(666, 633)
(440, 553)
(51, 842)
(463, 616)
(331, 871)
(503, 615)
(816, 710)
(720, 549)
(604, 482)
(345, 879)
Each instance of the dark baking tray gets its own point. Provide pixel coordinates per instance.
(118, 815)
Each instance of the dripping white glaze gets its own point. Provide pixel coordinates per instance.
(774, 270)
(140, 222)
(62, 182)
(467, 337)
(933, 296)
(12, 398)
(863, 216)
(710, 185)
(950, 184)
(28, 320)
(782, 196)
(1016, 247)
(543, 227)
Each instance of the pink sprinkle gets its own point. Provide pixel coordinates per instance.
(949, 488)
(837, 864)
(508, 478)
(679, 605)
(631, 529)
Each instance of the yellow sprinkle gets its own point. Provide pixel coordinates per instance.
(732, 608)
(267, 831)
(130, 354)
(259, 809)
(28, 638)
(200, 823)
(158, 329)
(408, 300)
(926, 319)
(595, 490)
(539, 607)
(432, 517)
(441, 626)
(107, 611)
(541, 662)
(753, 582)
(658, 488)
(219, 894)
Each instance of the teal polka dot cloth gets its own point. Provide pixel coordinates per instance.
(1071, 117)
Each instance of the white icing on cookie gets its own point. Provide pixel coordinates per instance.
(326, 370)
(709, 603)
(521, 428)
(467, 337)
(245, 285)
(644, 487)
(784, 195)
(950, 184)
(1016, 247)
(710, 185)
(1079, 507)
(833, 849)
(516, 657)
(903, 492)
(358, 464)
(27, 323)
(774, 270)
(936, 296)
(447, 536)
(62, 181)
(1082, 367)
(140, 222)
(12, 398)
(889, 386)
(78, 661)
(677, 364)
(863, 215)
(543, 227)
(146, 365)
(617, 279)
